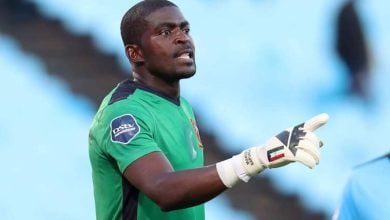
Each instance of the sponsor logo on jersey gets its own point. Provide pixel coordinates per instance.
(123, 129)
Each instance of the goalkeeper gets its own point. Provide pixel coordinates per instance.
(144, 145)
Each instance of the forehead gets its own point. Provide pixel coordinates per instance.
(169, 14)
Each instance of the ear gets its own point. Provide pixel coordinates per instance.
(134, 53)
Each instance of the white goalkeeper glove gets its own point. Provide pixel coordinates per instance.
(297, 143)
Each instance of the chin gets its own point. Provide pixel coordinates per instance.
(184, 73)
(187, 75)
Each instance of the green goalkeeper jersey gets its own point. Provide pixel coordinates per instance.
(133, 121)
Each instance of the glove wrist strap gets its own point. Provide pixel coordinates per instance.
(242, 166)
(227, 173)
(251, 162)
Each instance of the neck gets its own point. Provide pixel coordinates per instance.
(169, 88)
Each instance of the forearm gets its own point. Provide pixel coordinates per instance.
(176, 190)
(172, 189)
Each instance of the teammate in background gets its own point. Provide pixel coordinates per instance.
(144, 145)
(367, 194)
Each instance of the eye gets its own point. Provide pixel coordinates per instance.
(165, 32)
(186, 30)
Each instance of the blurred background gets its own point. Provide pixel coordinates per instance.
(262, 66)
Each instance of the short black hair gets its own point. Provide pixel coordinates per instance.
(133, 22)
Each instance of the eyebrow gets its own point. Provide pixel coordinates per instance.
(172, 24)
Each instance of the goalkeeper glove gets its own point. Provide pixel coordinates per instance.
(297, 143)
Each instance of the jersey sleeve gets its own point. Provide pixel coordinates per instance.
(130, 136)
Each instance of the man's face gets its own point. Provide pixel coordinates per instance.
(167, 47)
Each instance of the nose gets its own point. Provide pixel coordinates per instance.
(182, 38)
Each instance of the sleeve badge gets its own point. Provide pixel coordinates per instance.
(124, 128)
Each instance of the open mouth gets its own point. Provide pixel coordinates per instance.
(187, 54)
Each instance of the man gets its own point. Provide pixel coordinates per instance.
(144, 146)
(366, 194)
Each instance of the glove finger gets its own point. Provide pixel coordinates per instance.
(316, 122)
(305, 158)
(314, 152)
(311, 144)
(312, 139)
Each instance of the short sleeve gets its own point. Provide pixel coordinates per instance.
(130, 136)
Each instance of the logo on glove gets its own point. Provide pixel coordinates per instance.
(289, 139)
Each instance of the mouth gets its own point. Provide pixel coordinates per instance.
(186, 54)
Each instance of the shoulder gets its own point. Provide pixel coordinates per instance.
(370, 172)
(373, 164)
(125, 100)
(122, 91)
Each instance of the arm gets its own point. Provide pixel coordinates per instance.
(175, 190)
